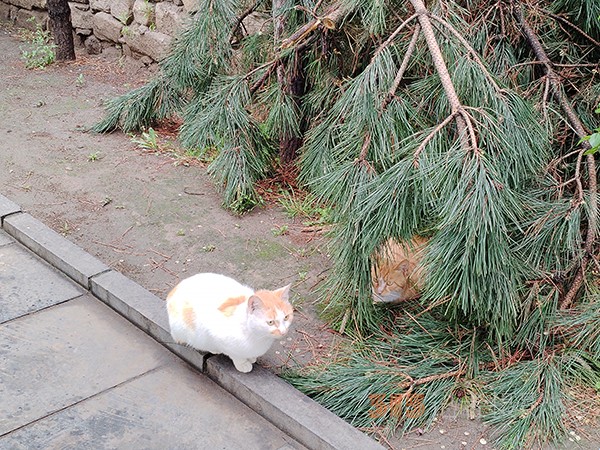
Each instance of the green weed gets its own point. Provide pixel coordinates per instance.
(307, 208)
(280, 231)
(148, 140)
(40, 52)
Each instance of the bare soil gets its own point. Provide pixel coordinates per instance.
(157, 218)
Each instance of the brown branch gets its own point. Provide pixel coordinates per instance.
(329, 21)
(442, 69)
(265, 76)
(575, 27)
(429, 379)
(392, 36)
(431, 135)
(365, 148)
(535, 404)
(579, 129)
(469, 48)
(241, 18)
(403, 66)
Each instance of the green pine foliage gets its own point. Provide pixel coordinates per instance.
(444, 126)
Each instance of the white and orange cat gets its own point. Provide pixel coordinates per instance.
(216, 314)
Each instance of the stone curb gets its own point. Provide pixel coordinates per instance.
(52, 247)
(143, 309)
(287, 408)
(7, 207)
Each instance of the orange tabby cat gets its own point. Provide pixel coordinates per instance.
(398, 274)
(216, 314)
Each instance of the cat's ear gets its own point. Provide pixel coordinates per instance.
(254, 303)
(284, 292)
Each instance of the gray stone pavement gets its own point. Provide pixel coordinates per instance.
(85, 363)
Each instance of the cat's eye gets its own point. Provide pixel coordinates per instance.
(270, 322)
(286, 318)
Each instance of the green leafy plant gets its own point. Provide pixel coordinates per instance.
(95, 156)
(280, 230)
(593, 139)
(148, 140)
(306, 207)
(80, 81)
(40, 50)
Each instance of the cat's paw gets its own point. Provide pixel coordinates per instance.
(242, 365)
(252, 360)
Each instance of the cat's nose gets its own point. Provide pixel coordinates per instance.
(276, 332)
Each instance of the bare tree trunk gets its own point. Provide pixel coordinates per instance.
(290, 77)
(62, 30)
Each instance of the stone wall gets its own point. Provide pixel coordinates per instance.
(142, 29)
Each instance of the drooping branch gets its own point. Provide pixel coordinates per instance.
(430, 136)
(409, 51)
(442, 70)
(242, 17)
(429, 379)
(469, 48)
(392, 36)
(575, 122)
(575, 27)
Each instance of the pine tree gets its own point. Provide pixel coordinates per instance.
(465, 122)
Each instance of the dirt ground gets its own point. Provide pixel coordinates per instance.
(157, 219)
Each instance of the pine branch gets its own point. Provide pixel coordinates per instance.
(430, 136)
(392, 36)
(579, 129)
(469, 48)
(442, 69)
(242, 16)
(412, 383)
(575, 27)
(329, 21)
(409, 51)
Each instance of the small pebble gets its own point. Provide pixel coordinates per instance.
(463, 443)
(482, 441)
(442, 431)
(467, 433)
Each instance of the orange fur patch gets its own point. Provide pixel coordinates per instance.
(273, 301)
(189, 317)
(172, 292)
(229, 305)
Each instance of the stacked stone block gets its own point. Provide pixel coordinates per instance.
(142, 29)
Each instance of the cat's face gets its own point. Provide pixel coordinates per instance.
(270, 313)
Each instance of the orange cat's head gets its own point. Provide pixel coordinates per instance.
(398, 274)
(271, 311)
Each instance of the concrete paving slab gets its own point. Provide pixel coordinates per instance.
(59, 356)
(169, 408)
(142, 308)
(52, 247)
(28, 284)
(5, 238)
(289, 409)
